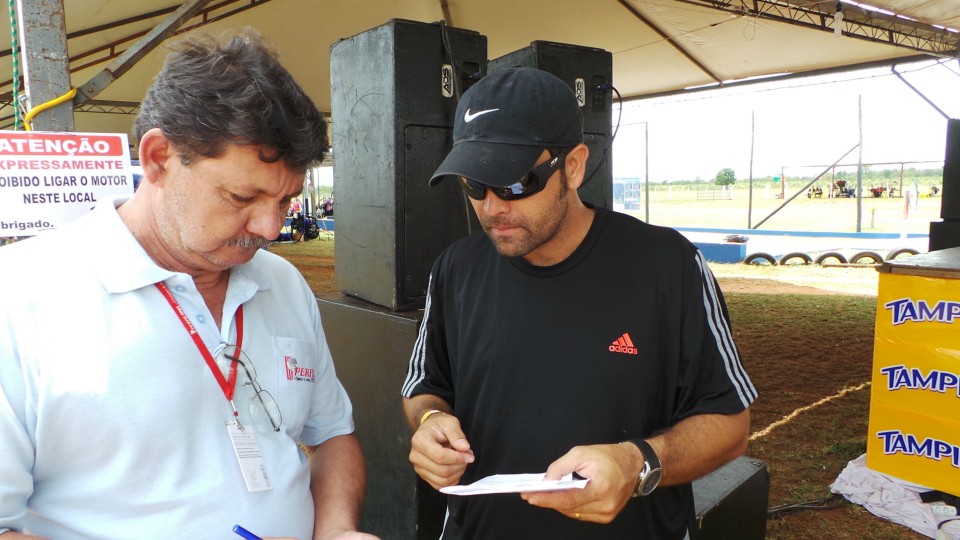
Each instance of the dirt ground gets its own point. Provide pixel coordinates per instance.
(766, 286)
(799, 279)
(805, 334)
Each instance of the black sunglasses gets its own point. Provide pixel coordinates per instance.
(532, 183)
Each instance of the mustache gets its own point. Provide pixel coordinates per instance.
(247, 242)
(499, 223)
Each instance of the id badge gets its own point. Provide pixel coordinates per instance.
(250, 458)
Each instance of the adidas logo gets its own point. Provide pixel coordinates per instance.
(623, 344)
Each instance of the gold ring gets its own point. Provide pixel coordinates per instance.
(577, 515)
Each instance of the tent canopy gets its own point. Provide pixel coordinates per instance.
(658, 46)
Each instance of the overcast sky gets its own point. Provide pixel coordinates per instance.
(811, 121)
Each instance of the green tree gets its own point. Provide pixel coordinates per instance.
(726, 177)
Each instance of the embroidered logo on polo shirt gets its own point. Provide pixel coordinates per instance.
(297, 373)
(623, 345)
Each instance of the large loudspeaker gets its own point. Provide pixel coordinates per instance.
(950, 207)
(372, 345)
(946, 234)
(731, 502)
(589, 72)
(394, 95)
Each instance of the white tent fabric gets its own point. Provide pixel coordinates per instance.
(658, 46)
(893, 499)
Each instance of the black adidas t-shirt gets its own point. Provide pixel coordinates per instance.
(627, 336)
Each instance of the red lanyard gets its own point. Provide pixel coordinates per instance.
(227, 385)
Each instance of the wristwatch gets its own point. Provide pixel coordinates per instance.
(650, 474)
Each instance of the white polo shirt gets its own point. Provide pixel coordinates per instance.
(111, 423)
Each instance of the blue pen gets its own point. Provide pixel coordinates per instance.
(245, 533)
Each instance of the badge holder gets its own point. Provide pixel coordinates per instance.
(249, 456)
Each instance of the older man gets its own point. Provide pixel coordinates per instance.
(159, 373)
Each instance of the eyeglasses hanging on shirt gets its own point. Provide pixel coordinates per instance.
(264, 411)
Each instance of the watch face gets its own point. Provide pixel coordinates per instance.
(650, 482)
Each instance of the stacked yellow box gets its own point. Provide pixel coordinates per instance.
(914, 431)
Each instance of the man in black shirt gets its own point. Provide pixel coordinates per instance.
(566, 339)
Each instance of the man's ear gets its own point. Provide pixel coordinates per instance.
(155, 152)
(576, 165)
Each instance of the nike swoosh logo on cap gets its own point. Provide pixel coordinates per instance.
(468, 116)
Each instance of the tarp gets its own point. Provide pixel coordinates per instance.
(657, 45)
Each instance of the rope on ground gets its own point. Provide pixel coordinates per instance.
(786, 419)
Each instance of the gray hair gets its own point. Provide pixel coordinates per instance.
(209, 94)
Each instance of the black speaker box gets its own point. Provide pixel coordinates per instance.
(946, 234)
(950, 205)
(372, 345)
(731, 502)
(589, 72)
(394, 91)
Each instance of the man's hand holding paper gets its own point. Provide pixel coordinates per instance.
(612, 471)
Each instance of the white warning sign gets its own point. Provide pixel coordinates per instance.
(49, 179)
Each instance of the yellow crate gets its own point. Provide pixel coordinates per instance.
(914, 433)
(916, 355)
(918, 448)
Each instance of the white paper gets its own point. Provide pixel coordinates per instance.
(515, 483)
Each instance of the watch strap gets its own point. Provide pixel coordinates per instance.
(651, 462)
(647, 452)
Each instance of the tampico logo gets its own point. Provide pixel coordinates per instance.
(297, 373)
(909, 310)
(900, 376)
(897, 442)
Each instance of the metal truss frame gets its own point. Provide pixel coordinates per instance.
(857, 22)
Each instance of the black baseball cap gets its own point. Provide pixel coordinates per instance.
(505, 121)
